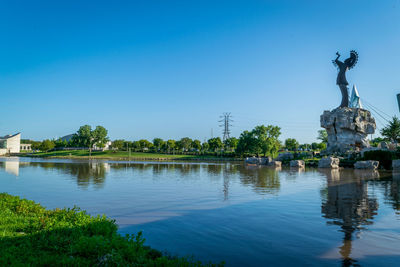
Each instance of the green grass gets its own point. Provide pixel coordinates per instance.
(30, 235)
(120, 155)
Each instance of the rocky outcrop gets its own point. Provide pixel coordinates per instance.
(347, 129)
(366, 165)
(297, 164)
(329, 162)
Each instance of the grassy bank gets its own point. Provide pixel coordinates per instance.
(123, 155)
(30, 235)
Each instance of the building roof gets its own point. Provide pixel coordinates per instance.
(8, 136)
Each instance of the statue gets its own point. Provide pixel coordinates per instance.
(341, 78)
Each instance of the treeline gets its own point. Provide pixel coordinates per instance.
(262, 140)
(85, 137)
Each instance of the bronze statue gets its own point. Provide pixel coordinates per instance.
(341, 78)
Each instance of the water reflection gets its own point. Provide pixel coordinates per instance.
(263, 180)
(346, 203)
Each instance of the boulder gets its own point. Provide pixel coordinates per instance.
(347, 129)
(275, 164)
(285, 156)
(329, 162)
(396, 164)
(252, 160)
(297, 164)
(366, 165)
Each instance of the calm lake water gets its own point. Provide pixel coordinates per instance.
(245, 216)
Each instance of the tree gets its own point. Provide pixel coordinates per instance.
(118, 144)
(247, 143)
(267, 139)
(171, 145)
(99, 136)
(392, 130)
(83, 137)
(59, 143)
(291, 144)
(136, 146)
(205, 146)
(86, 137)
(145, 144)
(47, 145)
(185, 143)
(215, 143)
(323, 136)
(196, 144)
(158, 143)
(231, 143)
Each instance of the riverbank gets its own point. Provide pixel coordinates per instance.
(124, 156)
(32, 235)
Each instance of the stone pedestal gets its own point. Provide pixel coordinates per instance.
(347, 129)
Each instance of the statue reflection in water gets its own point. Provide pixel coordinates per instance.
(347, 203)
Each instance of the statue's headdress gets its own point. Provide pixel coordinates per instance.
(352, 60)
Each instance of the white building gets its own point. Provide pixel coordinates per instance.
(10, 144)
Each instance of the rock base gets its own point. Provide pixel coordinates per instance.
(347, 129)
(297, 164)
(329, 162)
(366, 165)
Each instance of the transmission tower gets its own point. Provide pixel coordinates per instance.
(226, 120)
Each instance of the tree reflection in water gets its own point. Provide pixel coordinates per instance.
(347, 203)
(86, 173)
(262, 179)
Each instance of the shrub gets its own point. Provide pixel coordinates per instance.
(32, 236)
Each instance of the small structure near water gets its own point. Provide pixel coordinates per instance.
(297, 164)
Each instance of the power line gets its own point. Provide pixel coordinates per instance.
(226, 124)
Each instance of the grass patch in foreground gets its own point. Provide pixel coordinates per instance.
(31, 235)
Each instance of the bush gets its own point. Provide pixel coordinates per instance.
(33, 236)
(384, 157)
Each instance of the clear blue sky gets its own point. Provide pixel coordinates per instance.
(169, 69)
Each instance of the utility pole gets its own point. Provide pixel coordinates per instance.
(226, 123)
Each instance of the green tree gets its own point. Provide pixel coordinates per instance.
(205, 146)
(215, 143)
(291, 144)
(83, 137)
(136, 146)
(145, 144)
(171, 145)
(118, 144)
(185, 143)
(99, 137)
(267, 139)
(231, 143)
(392, 130)
(196, 144)
(47, 145)
(321, 146)
(247, 143)
(158, 143)
(86, 137)
(59, 143)
(323, 136)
